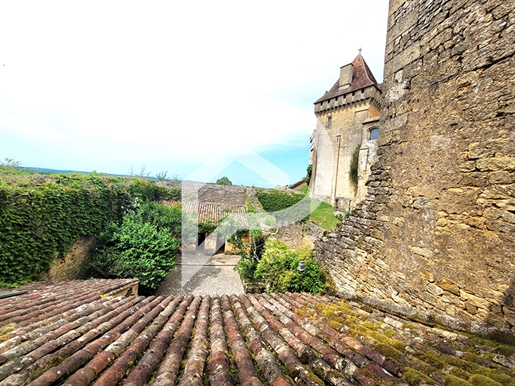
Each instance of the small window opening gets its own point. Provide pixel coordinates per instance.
(329, 121)
(374, 134)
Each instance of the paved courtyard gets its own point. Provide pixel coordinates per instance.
(198, 274)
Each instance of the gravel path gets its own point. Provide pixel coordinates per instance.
(202, 275)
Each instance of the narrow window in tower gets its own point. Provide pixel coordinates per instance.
(374, 134)
(329, 121)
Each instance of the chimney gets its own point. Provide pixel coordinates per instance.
(345, 76)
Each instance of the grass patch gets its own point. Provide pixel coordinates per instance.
(323, 215)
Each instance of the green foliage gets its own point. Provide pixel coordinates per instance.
(138, 248)
(250, 207)
(175, 178)
(223, 181)
(279, 202)
(278, 269)
(309, 171)
(41, 216)
(251, 252)
(163, 217)
(246, 268)
(191, 227)
(10, 167)
(353, 172)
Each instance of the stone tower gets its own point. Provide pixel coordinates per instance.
(435, 236)
(347, 126)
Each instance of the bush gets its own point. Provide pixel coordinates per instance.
(251, 252)
(163, 217)
(136, 249)
(223, 181)
(278, 269)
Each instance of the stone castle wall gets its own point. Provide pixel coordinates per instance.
(435, 236)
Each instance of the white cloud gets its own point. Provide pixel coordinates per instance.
(99, 85)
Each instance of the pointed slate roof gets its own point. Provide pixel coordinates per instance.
(362, 77)
(63, 334)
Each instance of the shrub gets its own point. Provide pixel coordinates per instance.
(136, 249)
(163, 217)
(250, 252)
(278, 269)
(223, 181)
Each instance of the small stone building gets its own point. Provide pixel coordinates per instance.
(347, 127)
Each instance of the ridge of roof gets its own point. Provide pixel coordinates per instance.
(59, 334)
(362, 77)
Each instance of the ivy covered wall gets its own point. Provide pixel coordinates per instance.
(41, 216)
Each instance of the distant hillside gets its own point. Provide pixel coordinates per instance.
(57, 171)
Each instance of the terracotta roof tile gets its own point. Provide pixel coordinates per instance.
(211, 212)
(276, 339)
(362, 77)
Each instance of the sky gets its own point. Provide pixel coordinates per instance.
(176, 86)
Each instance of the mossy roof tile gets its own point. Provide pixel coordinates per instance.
(79, 333)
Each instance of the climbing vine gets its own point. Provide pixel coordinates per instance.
(41, 216)
(354, 162)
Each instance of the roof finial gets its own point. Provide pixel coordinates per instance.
(360, 50)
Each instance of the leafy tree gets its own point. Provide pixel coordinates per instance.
(11, 167)
(223, 181)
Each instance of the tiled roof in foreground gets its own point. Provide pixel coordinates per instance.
(71, 333)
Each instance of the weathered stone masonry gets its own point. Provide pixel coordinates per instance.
(435, 236)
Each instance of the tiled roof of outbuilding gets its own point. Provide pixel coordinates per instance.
(211, 212)
(362, 77)
(68, 333)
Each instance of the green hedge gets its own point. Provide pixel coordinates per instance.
(41, 216)
(278, 202)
